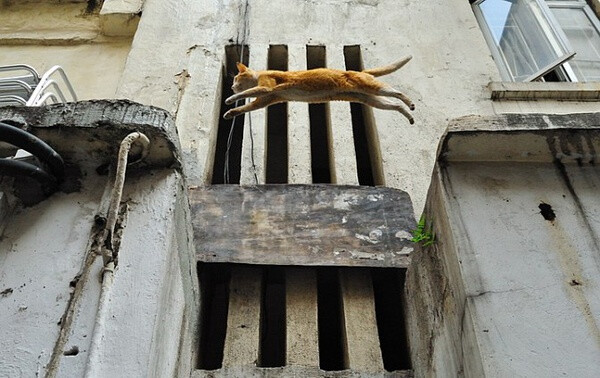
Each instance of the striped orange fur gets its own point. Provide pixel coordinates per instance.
(317, 85)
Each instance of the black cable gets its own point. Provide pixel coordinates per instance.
(16, 168)
(34, 146)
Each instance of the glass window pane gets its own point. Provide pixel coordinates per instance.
(585, 39)
(527, 41)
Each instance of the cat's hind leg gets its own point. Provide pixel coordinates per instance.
(383, 104)
(391, 92)
(251, 92)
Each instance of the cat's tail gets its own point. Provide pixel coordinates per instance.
(380, 71)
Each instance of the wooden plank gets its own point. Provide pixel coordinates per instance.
(343, 164)
(258, 119)
(243, 320)
(302, 327)
(302, 225)
(364, 352)
(299, 159)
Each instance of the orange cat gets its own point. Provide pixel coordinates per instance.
(317, 85)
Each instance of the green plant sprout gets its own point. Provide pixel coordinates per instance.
(423, 234)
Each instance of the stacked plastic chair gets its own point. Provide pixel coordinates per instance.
(33, 160)
(20, 84)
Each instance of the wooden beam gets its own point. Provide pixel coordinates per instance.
(315, 225)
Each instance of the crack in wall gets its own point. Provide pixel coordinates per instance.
(78, 283)
(183, 79)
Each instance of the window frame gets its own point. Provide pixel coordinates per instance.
(498, 56)
(566, 70)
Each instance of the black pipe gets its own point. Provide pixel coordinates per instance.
(34, 146)
(16, 168)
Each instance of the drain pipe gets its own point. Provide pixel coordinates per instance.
(108, 252)
(109, 255)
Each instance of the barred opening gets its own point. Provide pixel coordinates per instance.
(277, 127)
(214, 299)
(389, 301)
(232, 56)
(272, 318)
(320, 134)
(366, 141)
(332, 344)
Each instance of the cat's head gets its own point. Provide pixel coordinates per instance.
(245, 79)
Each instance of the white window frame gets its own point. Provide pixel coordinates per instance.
(497, 55)
(567, 71)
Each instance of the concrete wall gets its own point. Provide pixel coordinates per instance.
(67, 34)
(174, 61)
(55, 320)
(446, 78)
(50, 285)
(510, 287)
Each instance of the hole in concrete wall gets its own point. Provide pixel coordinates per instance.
(366, 141)
(320, 134)
(277, 127)
(73, 351)
(388, 287)
(272, 319)
(232, 56)
(332, 344)
(214, 306)
(547, 212)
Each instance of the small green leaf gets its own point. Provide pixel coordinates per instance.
(423, 233)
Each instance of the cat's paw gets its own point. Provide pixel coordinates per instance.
(229, 114)
(411, 120)
(412, 107)
(230, 100)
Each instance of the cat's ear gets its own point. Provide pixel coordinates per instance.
(241, 67)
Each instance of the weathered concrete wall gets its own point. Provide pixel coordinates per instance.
(181, 71)
(442, 81)
(175, 63)
(447, 78)
(510, 289)
(46, 34)
(50, 272)
(41, 252)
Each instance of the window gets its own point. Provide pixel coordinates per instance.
(582, 28)
(542, 40)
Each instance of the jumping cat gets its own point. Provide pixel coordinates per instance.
(316, 85)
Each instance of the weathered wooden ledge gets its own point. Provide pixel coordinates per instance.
(316, 225)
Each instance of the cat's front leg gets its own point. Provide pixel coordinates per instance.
(252, 92)
(260, 102)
